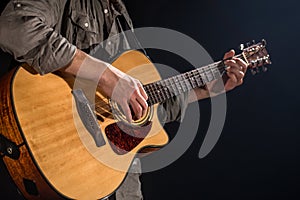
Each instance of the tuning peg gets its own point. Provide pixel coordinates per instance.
(264, 42)
(264, 68)
(253, 63)
(266, 59)
(248, 44)
(253, 42)
(242, 47)
(260, 61)
(253, 71)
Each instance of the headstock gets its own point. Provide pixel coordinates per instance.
(256, 55)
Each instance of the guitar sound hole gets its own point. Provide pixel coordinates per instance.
(124, 138)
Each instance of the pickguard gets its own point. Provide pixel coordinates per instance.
(124, 138)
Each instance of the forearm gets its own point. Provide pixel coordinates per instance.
(85, 66)
(92, 69)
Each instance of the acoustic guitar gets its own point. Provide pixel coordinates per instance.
(57, 142)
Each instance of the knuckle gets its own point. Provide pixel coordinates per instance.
(139, 109)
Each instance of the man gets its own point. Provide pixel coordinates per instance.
(55, 35)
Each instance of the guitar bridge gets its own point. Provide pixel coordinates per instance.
(87, 117)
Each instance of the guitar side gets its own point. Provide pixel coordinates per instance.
(62, 149)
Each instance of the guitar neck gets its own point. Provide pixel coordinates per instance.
(165, 89)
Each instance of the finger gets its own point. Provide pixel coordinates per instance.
(126, 110)
(237, 72)
(241, 63)
(144, 105)
(140, 104)
(232, 77)
(142, 91)
(231, 64)
(229, 54)
(236, 76)
(137, 108)
(237, 67)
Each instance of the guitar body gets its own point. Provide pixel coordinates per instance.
(54, 147)
(58, 157)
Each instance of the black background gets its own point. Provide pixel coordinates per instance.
(258, 153)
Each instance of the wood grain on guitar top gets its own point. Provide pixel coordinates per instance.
(61, 147)
(24, 167)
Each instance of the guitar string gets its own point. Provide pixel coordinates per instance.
(150, 92)
(220, 68)
(164, 85)
(104, 107)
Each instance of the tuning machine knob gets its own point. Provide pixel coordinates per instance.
(242, 47)
(264, 68)
(257, 70)
(254, 71)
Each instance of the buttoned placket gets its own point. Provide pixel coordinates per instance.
(108, 16)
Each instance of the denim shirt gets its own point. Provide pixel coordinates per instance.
(45, 34)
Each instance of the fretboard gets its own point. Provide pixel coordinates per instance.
(165, 89)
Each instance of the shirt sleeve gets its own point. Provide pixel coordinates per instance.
(173, 109)
(26, 32)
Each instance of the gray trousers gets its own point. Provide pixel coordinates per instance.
(130, 189)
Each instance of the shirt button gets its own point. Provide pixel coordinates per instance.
(109, 42)
(86, 24)
(18, 5)
(105, 11)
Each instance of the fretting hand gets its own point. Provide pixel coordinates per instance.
(236, 69)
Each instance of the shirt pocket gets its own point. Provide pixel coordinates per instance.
(86, 30)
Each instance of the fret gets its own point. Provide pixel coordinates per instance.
(192, 79)
(165, 89)
(217, 73)
(173, 86)
(186, 83)
(181, 83)
(178, 85)
(150, 101)
(215, 70)
(199, 79)
(220, 68)
(176, 88)
(158, 92)
(169, 89)
(189, 78)
(203, 75)
(149, 93)
(155, 98)
(161, 91)
(168, 85)
(207, 74)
